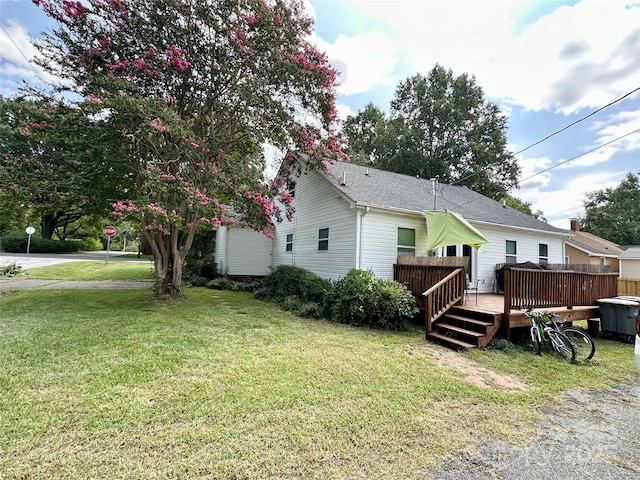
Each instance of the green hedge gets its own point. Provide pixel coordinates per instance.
(16, 242)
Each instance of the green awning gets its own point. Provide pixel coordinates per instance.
(449, 228)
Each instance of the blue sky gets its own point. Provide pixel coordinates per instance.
(546, 63)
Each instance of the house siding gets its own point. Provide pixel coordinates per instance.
(494, 252)
(243, 251)
(577, 256)
(221, 249)
(630, 268)
(380, 240)
(318, 205)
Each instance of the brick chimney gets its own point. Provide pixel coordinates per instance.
(575, 224)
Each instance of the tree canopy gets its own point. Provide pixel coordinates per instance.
(614, 213)
(50, 163)
(194, 89)
(439, 125)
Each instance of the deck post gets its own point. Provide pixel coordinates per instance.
(507, 290)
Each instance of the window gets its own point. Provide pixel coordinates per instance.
(543, 253)
(291, 187)
(289, 245)
(323, 239)
(406, 242)
(452, 250)
(511, 256)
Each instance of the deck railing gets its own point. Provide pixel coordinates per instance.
(418, 278)
(525, 288)
(443, 295)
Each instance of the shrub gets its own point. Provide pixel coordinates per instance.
(286, 280)
(10, 270)
(221, 283)
(204, 267)
(361, 299)
(90, 245)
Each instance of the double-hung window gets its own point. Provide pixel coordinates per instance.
(289, 244)
(543, 253)
(511, 252)
(323, 239)
(406, 242)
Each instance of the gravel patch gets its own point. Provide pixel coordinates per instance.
(595, 434)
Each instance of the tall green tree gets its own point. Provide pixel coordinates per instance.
(194, 88)
(439, 125)
(614, 213)
(49, 163)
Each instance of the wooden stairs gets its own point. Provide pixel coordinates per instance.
(465, 327)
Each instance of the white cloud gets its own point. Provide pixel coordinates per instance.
(576, 57)
(363, 60)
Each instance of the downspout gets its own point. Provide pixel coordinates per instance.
(366, 210)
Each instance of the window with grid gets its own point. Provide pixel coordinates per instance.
(289, 244)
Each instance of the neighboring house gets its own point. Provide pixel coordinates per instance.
(358, 217)
(586, 248)
(630, 263)
(243, 252)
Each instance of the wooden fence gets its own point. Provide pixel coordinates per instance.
(627, 286)
(525, 288)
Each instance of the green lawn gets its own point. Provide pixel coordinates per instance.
(112, 384)
(114, 270)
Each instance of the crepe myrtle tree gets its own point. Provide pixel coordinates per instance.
(195, 88)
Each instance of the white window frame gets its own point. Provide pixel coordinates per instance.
(406, 250)
(323, 241)
(289, 243)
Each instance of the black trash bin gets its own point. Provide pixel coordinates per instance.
(618, 317)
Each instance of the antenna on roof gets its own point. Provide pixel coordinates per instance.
(434, 190)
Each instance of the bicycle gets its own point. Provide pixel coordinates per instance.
(544, 328)
(582, 342)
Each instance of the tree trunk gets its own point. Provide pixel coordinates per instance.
(48, 225)
(169, 252)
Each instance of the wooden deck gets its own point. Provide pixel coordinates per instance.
(467, 319)
(491, 303)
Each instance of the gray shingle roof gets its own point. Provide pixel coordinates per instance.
(378, 188)
(631, 252)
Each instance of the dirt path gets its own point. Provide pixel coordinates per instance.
(595, 436)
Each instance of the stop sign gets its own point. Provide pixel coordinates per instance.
(109, 231)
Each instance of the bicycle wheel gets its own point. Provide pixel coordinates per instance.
(582, 343)
(561, 345)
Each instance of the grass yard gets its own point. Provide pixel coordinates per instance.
(111, 384)
(114, 270)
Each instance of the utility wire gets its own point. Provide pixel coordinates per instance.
(22, 53)
(566, 161)
(557, 132)
(581, 155)
(577, 121)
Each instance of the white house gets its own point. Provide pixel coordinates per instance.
(358, 217)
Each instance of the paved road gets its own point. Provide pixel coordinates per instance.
(34, 260)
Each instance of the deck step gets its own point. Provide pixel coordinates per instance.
(452, 341)
(464, 331)
(474, 321)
